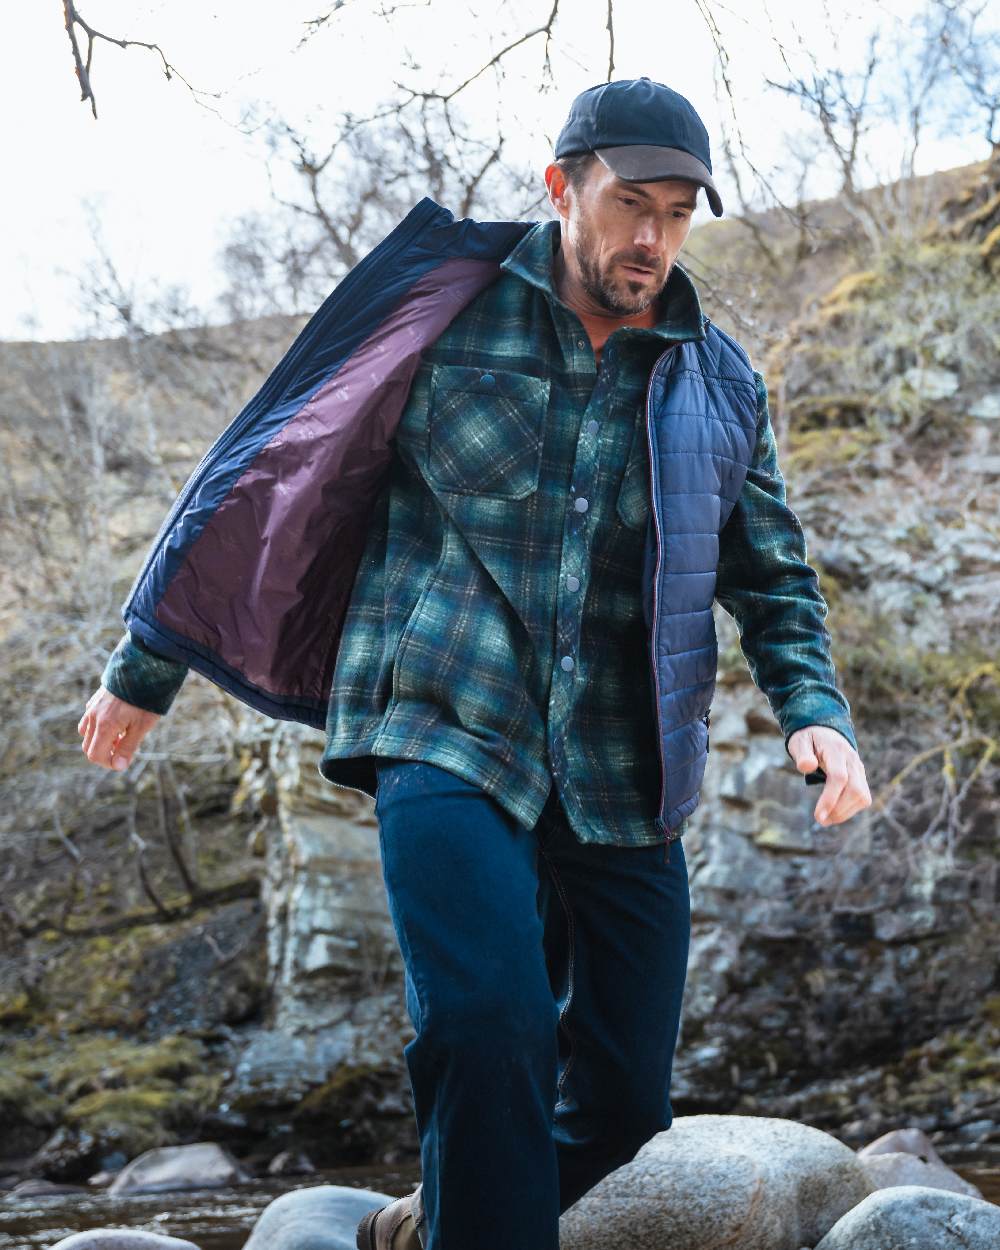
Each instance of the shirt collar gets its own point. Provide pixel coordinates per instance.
(681, 316)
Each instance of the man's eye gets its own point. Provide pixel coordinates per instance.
(624, 199)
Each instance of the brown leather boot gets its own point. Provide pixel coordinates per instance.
(399, 1226)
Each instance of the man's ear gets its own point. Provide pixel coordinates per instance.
(558, 189)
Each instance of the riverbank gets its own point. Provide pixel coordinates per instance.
(221, 1219)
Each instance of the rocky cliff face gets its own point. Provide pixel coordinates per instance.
(326, 1057)
(849, 975)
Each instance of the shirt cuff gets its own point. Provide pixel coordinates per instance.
(139, 676)
(815, 708)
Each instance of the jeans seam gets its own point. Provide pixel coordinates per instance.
(405, 947)
(569, 993)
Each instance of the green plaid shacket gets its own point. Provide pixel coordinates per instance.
(495, 626)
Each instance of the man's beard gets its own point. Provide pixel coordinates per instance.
(601, 287)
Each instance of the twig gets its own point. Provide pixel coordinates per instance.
(72, 20)
(545, 29)
(246, 887)
(170, 836)
(136, 840)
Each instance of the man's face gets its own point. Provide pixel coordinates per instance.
(622, 238)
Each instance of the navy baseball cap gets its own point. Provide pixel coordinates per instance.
(643, 132)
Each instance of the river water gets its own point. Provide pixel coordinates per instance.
(214, 1219)
(221, 1219)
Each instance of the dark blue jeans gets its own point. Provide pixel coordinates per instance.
(544, 979)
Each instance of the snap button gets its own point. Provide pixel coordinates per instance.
(593, 427)
(581, 504)
(488, 379)
(567, 663)
(573, 582)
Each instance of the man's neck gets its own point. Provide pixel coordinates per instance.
(599, 323)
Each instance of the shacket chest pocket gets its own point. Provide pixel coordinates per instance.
(634, 492)
(485, 430)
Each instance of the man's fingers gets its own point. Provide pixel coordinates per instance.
(121, 750)
(845, 791)
(807, 761)
(102, 736)
(835, 791)
(112, 730)
(852, 797)
(86, 709)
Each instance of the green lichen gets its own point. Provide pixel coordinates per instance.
(833, 414)
(345, 1082)
(989, 249)
(851, 286)
(15, 1009)
(140, 1095)
(24, 1100)
(826, 446)
(954, 1062)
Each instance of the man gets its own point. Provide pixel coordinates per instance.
(581, 462)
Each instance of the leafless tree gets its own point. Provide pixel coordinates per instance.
(352, 194)
(90, 461)
(972, 51)
(929, 74)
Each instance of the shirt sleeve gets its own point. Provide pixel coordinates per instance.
(141, 677)
(766, 584)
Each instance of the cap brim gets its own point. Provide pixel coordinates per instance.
(647, 162)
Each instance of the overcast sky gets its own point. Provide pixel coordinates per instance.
(162, 173)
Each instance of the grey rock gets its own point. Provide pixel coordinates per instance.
(977, 1130)
(200, 1165)
(912, 1140)
(319, 1217)
(988, 407)
(932, 383)
(38, 1187)
(714, 1181)
(69, 1151)
(290, 1163)
(913, 1217)
(122, 1239)
(327, 910)
(102, 1179)
(276, 1067)
(903, 1168)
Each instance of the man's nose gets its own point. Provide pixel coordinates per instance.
(648, 236)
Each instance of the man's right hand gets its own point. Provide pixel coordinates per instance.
(112, 729)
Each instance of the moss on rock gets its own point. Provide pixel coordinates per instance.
(108, 1089)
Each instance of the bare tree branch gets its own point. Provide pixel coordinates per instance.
(245, 887)
(722, 68)
(170, 838)
(545, 29)
(974, 57)
(72, 20)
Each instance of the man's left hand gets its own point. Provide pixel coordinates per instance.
(846, 790)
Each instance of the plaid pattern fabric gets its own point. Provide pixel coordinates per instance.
(141, 677)
(495, 626)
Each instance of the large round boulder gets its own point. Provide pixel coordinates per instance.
(713, 1181)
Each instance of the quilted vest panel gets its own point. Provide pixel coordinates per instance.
(702, 430)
